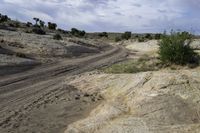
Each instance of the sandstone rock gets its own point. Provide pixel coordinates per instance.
(150, 102)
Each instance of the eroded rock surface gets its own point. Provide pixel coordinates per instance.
(150, 102)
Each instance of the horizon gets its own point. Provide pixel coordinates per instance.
(115, 16)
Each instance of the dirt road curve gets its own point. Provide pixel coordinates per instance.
(37, 101)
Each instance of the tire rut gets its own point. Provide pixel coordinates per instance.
(21, 95)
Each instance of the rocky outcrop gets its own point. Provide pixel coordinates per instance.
(150, 102)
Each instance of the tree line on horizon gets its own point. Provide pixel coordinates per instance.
(174, 47)
(39, 26)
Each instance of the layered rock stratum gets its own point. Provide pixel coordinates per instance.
(165, 101)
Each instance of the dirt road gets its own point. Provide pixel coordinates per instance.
(37, 101)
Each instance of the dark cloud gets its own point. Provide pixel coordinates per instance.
(98, 2)
(162, 11)
(138, 16)
(136, 5)
(118, 13)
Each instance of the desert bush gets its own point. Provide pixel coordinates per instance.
(175, 48)
(57, 37)
(157, 36)
(39, 31)
(36, 20)
(16, 24)
(117, 39)
(52, 26)
(42, 23)
(141, 39)
(36, 26)
(11, 24)
(74, 31)
(136, 36)
(62, 31)
(3, 18)
(148, 36)
(133, 66)
(20, 55)
(82, 33)
(126, 35)
(103, 34)
(29, 24)
(77, 33)
(28, 31)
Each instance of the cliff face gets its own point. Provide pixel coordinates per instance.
(162, 101)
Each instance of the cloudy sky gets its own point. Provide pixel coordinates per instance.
(110, 15)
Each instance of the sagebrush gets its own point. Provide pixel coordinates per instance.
(57, 37)
(175, 48)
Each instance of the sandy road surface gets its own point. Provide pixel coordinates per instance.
(37, 101)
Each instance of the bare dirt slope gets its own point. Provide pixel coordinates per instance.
(36, 100)
(34, 45)
(20, 51)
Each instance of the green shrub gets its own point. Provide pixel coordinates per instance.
(29, 24)
(52, 26)
(3, 18)
(74, 31)
(141, 39)
(77, 33)
(20, 55)
(82, 33)
(103, 34)
(148, 36)
(28, 31)
(117, 39)
(16, 24)
(62, 31)
(126, 35)
(132, 66)
(57, 37)
(42, 23)
(175, 48)
(36, 20)
(39, 31)
(136, 36)
(157, 36)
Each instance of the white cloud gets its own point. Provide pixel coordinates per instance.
(42, 15)
(110, 15)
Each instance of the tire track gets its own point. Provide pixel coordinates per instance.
(19, 95)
